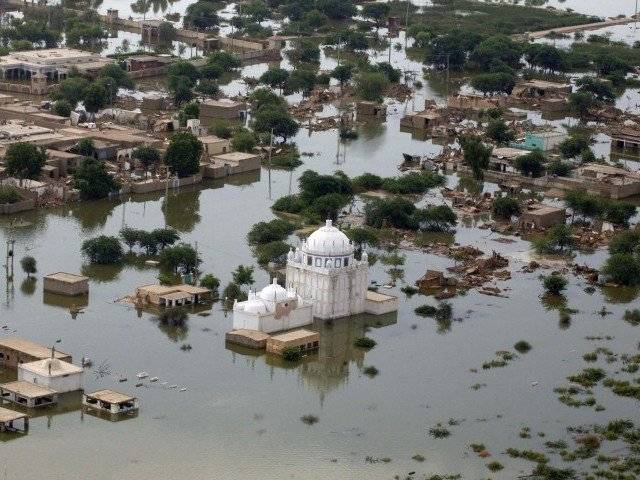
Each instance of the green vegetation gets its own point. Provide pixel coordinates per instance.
(29, 265)
(93, 180)
(591, 206)
(365, 342)
(210, 282)
(102, 250)
(291, 354)
(370, 371)
(531, 164)
(181, 258)
(24, 160)
(505, 207)
(557, 240)
(264, 232)
(554, 284)
(9, 194)
(183, 154)
(439, 431)
(151, 242)
(476, 155)
(522, 346)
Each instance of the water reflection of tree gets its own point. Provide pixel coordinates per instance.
(93, 215)
(102, 273)
(181, 211)
(620, 294)
(142, 7)
(28, 286)
(174, 323)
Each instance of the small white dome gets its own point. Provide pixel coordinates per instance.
(273, 292)
(329, 241)
(254, 306)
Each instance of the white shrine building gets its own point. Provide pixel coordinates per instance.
(324, 280)
(272, 309)
(324, 271)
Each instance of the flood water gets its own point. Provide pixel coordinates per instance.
(240, 416)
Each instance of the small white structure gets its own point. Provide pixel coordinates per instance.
(272, 309)
(323, 271)
(53, 374)
(110, 401)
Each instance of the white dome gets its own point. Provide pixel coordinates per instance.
(273, 292)
(254, 306)
(328, 241)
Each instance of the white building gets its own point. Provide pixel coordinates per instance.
(271, 310)
(52, 373)
(324, 272)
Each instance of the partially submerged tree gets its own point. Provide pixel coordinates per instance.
(102, 250)
(24, 160)
(28, 265)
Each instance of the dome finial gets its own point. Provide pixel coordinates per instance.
(329, 222)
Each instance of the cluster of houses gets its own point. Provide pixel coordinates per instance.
(43, 376)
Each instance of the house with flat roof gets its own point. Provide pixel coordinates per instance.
(230, 163)
(52, 373)
(303, 340)
(8, 419)
(502, 159)
(53, 63)
(227, 109)
(27, 394)
(170, 295)
(110, 401)
(15, 351)
(424, 120)
(64, 283)
(541, 216)
(544, 141)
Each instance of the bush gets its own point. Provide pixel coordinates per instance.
(243, 141)
(439, 218)
(522, 346)
(272, 252)
(24, 160)
(498, 131)
(557, 240)
(291, 354)
(265, 232)
(210, 282)
(102, 250)
(559, 168)
(413, 182)
(623, 268)
(370, 371)
(28, 265)
(62, 108)
(289, 204)
(233, 292)
(625, 242)
(365, 342)
(9, 194)
(366, 182)
(505, 207)
(531, 164)
(554, 284)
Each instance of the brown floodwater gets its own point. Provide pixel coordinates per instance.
(240, 416)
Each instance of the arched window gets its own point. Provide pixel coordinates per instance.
(337, 263)
(318, 262)
(327, 263)
(346, 261)
(309, 260)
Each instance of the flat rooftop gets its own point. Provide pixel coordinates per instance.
(58, 368)
(67, 277)
(378, 297)
(254, 335)
(508, 153)
(7, 415)
(542, 209)
(295, 335)
(223, 103)
(27, 389)
(111, 396)
(18, 129)
(235, 156)
(30, 348)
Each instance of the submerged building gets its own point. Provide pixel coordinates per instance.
(325, 272)
(272, 309)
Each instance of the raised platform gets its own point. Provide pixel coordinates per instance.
(248, 338)
(378, 303)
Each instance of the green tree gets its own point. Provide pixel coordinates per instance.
(130, 236)
(493, 83)
(102, 250)
(202, 15)
(304, 50)
(623, 269)
(271, 118)
(24, 160)
(62, 108)
(439, 218)
(165, 236)
(476, 155)
(336, 9)
(28, 265)
(497, 48)
(85, 147)
(582, 103)
(275, 77)
(376, 11)
(183, 154)
(301, 80)
(505, 207)
(179, 258)
(71, 89)
(210, 282)
(531, 164)
(602, 90)
(370, 86)
(147, 155)
(557, 240)
(243, 141)
(342, 73)
(118, 74)
(574, 145)
(93, 180)
(498, 131)
(243, 275)
(94, 98)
